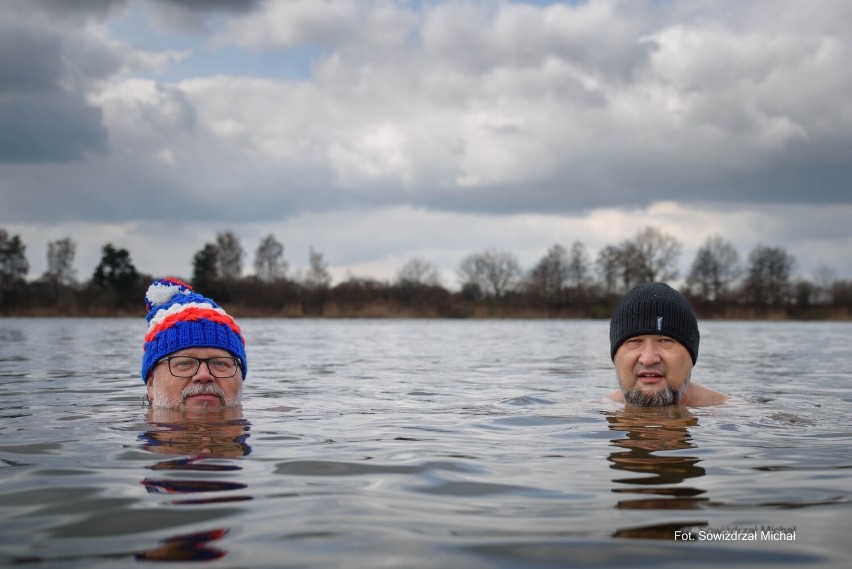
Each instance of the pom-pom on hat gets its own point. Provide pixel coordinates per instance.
(179, 318)
(654, 308)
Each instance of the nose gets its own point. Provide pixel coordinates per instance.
(650, 354)
(203, 373)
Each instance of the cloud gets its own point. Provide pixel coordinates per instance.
(486, 107)
(193, 16)
(43, 120)
(358, 28)
(78, 12)
(49, 127)
(492, 111)
(564, 107)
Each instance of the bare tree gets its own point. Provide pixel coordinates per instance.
(650, 256)
(578, 266)
(229, 256)
(549, 276)
(60, 262)
(419, 272)
(494, 272)
(657, 254)
(608, 268)
(269, 263)
(317, 276)
(768, 275)
(824, 279)
(715, 268)
(619, 267)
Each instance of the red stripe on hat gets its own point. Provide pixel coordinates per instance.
(172, 280)
(194, 314)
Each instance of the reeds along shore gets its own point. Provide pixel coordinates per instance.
(361, 298)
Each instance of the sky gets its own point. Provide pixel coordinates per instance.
(379, 132)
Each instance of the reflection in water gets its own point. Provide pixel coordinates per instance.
(214, 433)
(648, 432)
(190, 547)
(187, 547)
(198, 436)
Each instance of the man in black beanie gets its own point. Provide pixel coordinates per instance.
(654, 340)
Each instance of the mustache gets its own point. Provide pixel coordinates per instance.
(202, 389)
(659, 368)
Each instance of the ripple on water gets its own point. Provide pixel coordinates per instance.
(417, 444)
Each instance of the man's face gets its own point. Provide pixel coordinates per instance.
(652, 371)
(203, 389)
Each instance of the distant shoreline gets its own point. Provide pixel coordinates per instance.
(775, 315)
(371, 300)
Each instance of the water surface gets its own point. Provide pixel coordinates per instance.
(424, 444)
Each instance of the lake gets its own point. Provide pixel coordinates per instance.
(426, 443)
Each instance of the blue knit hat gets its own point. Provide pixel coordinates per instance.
(654, 308)
(179, 318)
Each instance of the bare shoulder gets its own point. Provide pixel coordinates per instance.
(701, 396)
(617, 396)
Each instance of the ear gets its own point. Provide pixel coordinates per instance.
(149, 386)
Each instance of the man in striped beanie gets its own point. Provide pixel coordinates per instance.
(654, 340)
(194, 352)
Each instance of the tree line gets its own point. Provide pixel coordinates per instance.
(564, 283)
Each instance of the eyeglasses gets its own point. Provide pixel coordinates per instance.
(187, 366)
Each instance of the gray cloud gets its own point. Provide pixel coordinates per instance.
(51, 126)
(29, 61)
(87, 9)
(493, 108)
(213, 5)
(79, 10)
(42, 119)
(195, 16)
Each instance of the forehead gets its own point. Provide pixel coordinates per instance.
(201, 352)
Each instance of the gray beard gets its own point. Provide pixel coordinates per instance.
(162, 400)
(661, 398)
(202, 388)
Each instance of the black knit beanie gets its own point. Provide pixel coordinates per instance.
(654, 308)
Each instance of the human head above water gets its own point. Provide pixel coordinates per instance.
(658, 309)
(179, 318)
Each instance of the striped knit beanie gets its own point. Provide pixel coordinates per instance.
(179, 318)
(654, 308)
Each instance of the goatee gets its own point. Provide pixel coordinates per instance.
(661, 398)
